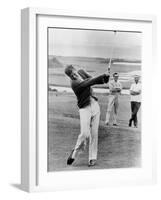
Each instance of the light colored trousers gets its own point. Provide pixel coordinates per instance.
(89, 123)
(112, 107)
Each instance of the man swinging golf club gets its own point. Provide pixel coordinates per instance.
(89, 111)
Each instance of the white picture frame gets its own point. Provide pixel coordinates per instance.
(33, 175)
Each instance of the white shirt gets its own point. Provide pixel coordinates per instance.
(136, 88)
(113, 85)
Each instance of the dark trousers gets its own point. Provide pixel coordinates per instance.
(134, 109)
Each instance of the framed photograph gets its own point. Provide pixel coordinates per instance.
(86, 99)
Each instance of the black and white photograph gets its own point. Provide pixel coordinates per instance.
(94, 99)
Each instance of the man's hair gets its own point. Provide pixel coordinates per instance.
(68, 70)
(115, 74)
(136, 76)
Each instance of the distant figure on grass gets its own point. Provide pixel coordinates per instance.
(89, 111)
(113, 99)
(135, 92)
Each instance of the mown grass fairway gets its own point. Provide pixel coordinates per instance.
(118, 147)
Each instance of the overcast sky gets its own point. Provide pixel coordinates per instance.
(88, 43)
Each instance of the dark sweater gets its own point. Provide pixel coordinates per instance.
(82, 89)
